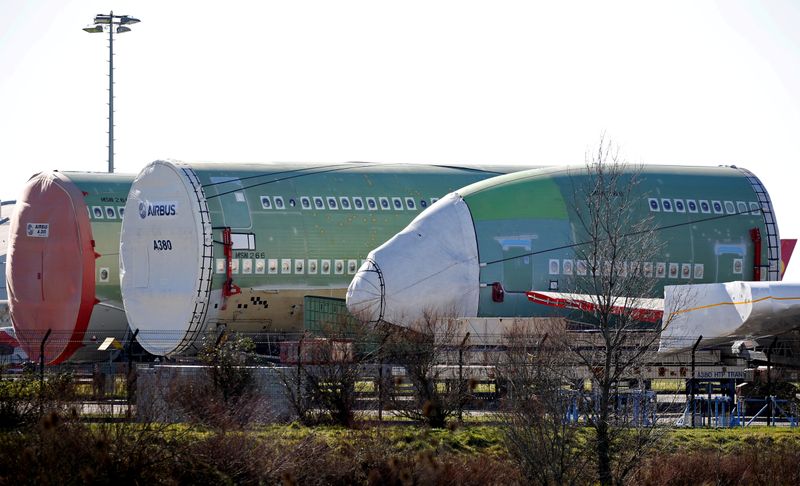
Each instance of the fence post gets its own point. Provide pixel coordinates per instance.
(129, 380)
(692, 380)
(41, 371)
(461, 390)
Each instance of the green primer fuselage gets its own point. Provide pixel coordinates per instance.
(298, 230)
(706, 215)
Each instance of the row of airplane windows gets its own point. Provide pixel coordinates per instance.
(287, 266)
(306, 202)
(347, 203)
(300, 266)
(647, 269)
(397, 203)
(668, 205)
(106, 212)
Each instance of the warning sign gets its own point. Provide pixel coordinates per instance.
(39, 230)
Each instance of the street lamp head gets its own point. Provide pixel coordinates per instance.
(94, 29)
(125, 19)
(102, 19)
(122, 29)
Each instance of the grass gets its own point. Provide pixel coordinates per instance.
(474, 439)
(488, 439)
(470, 454)
(730, 440)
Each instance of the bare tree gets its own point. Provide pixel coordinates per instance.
(223, 393)
(325, 369)
(617, 321)
(344, 347)
(429, 392)
(537, 413)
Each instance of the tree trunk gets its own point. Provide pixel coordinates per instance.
(603, 440)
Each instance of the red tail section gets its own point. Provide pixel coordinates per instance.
(787, 247)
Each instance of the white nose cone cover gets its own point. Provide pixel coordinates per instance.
(727, 309)
(162, 258)
(429, 267)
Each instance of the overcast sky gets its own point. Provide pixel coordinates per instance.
(691, 83)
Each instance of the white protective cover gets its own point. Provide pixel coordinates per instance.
(438, 248)
(159, 279)
(727, 310)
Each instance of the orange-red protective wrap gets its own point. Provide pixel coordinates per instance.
(51, 278)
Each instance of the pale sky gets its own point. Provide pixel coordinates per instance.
(694, 83)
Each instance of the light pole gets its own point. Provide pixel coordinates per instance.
(111, 23)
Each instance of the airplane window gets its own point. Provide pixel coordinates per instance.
(704, 207)
(345, 202)
(741, 207)
(111, 213)
(358, 203)
(654, 204)
(679, 207)
(667, 205)
(692, 205)
(292, 203)
(410, 203)
(729, 207)
(278, 202)
(717, 207)
(423, 203)
(371, 203)
(318, 203)
(332, 204)
(384, 202)
(305, 202)
(266, 203)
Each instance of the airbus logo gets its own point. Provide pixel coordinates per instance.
(38, 230)
(159, 208)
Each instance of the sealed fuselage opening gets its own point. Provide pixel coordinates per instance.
(165, 253)
(51, 267)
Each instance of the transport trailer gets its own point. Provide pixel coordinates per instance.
(209, 246)
(62, 264)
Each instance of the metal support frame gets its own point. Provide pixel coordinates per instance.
(228, 288)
